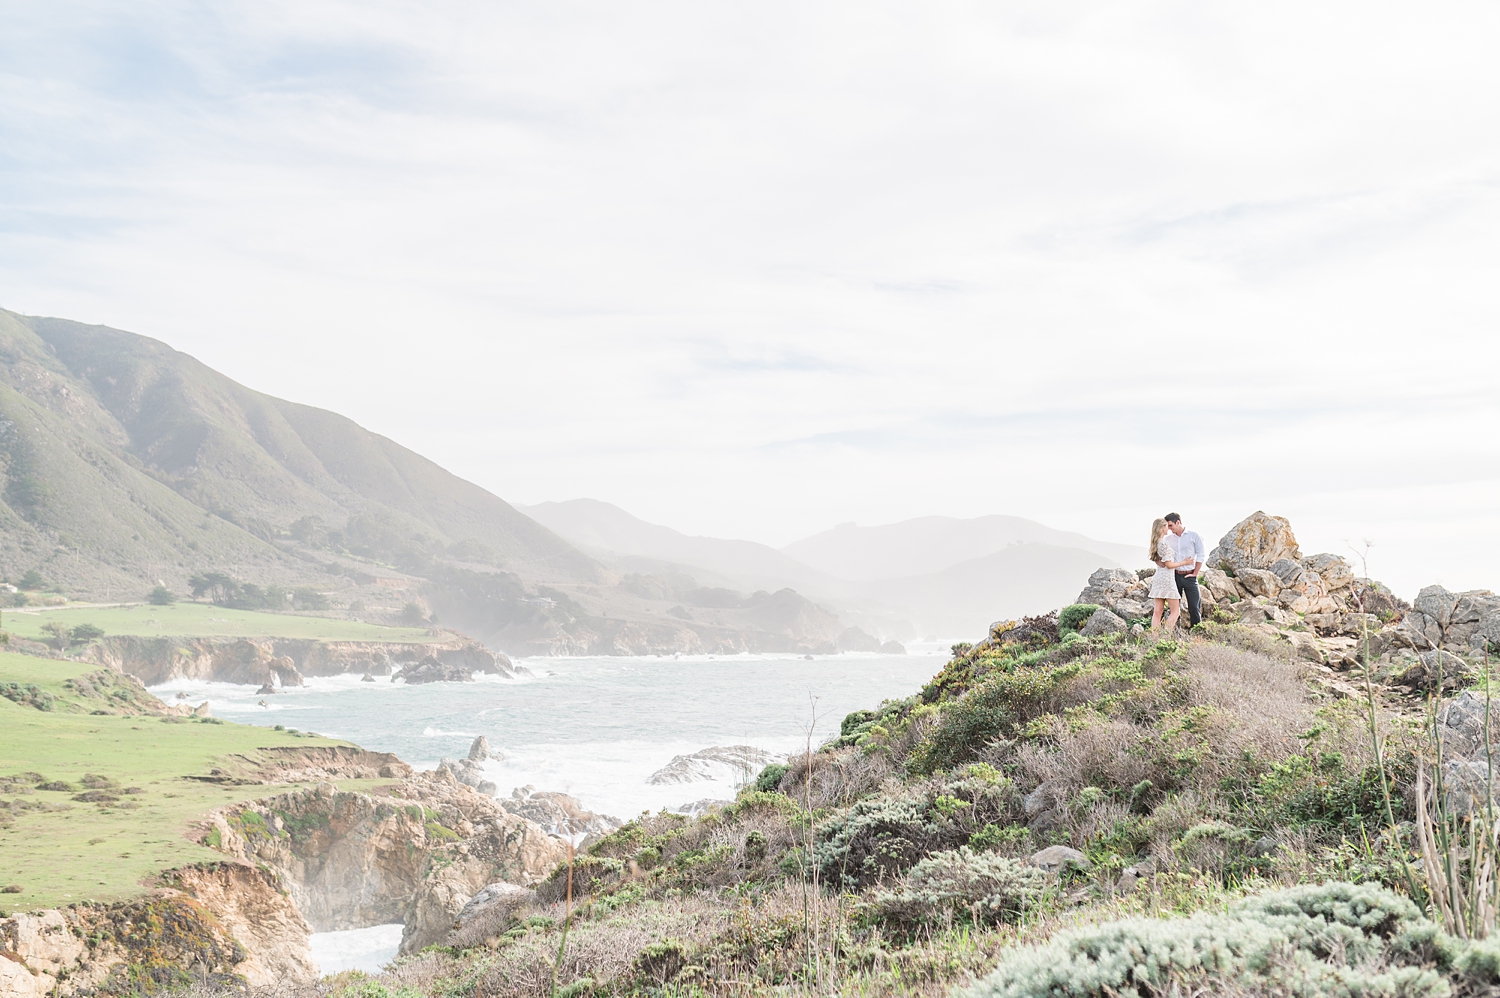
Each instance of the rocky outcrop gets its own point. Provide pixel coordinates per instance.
(1256, 542)
(470, 770)
(283, 661)
(415, 853)
(223, 923)
(290, 764)
(1467, 620)
(432, 670)
(737, 764)
(1122, 593)
(264, 921)
(1322, 611)
(560, 814)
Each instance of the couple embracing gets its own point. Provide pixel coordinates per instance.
(1179, 556)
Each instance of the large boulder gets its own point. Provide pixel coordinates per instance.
(1257, 541)
(1103, 621)
(1335, 572)
(1056, 859)
(1423, 674)
(1289, 572)
(1258, 582)
(1461, 722)
(488, 914)
(1467, 785)
(1220, 586)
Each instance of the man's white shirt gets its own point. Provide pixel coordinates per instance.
(1188, 545)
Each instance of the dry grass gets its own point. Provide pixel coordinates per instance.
(838, 778)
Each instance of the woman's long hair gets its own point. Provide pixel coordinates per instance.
(1158, 527)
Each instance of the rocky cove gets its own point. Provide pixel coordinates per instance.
(415, 848)
(414, 851)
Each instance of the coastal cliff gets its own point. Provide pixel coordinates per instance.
(415, 852)
(282, 661)
(220, 923)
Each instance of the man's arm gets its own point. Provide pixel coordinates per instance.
(1198, 554)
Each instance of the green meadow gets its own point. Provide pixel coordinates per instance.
(202, 620)
(58, 850)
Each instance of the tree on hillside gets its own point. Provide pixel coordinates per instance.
(308, 598)
(161, 596)
(215, 585)
(59, 634)
(32, 579)
(86, 632)
(411, 614)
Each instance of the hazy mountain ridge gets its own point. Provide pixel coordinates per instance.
(988, 567)
(124, 462)
(931, 544)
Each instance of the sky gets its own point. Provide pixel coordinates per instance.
(753, 270)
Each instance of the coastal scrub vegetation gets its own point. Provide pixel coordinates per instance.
(1053, 814)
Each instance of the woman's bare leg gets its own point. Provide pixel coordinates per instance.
(1176, 612)
(1156, 614)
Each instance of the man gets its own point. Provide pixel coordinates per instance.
(1189, 545)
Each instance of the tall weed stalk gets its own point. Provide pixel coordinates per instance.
(1459, 845)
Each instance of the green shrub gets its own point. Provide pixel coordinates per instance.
(873, 839)
(1331, 939)
(161, 596)
(960, 885)
(992, 836)
(1002, 702)
(86, 632)
(27, 695)
(1071, 618)
(769, 780)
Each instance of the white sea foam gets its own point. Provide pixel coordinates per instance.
(596, 728)
(366, 949)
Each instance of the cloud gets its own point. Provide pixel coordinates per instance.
(754, 270)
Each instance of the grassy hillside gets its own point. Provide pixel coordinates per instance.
(58, 849)
(202, 620)
(123, 461)
(124, 464)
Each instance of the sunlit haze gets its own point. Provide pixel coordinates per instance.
(754, 270)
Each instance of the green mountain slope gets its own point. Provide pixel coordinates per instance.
(123, 461)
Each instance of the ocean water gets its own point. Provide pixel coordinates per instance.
(596, 728)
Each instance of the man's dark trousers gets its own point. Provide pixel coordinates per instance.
(1187, 585)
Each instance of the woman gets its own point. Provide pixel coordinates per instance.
(1164, 582)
